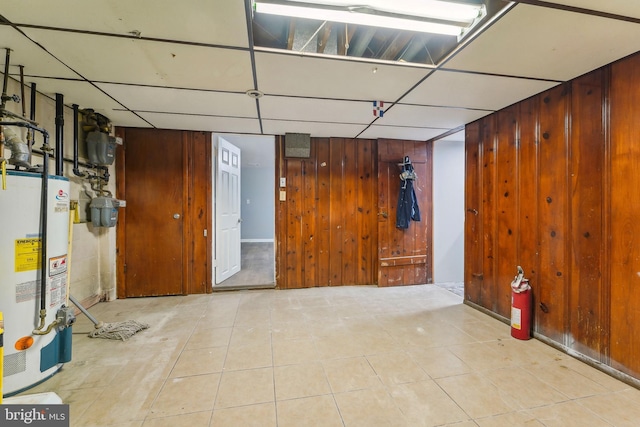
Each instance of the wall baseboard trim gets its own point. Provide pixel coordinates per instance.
(87, 303)
(619, 375)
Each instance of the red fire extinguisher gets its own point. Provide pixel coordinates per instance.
(520, 307)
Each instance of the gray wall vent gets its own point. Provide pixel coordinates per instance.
(297, 145)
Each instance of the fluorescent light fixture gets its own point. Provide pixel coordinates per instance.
(424, 16)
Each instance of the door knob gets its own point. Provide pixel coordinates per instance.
(176, 216)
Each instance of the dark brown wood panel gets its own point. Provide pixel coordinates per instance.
(506, 208)
(488, 291)
(323, 211)
(199, 219)
(309, 225)
(366, 201)
(348, 211)
(527, 173)
(553, 208)
(625, 223)
(294, 219)
(336, 201)
(473, 242)
(587, 191)
(327, 225)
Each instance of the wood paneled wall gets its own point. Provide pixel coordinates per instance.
(326, 227)
(337, 224)
(405, 256)
(551, 185)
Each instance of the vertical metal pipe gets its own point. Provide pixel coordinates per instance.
(31, 134)
(24, 108)
(76, 170)
(59, 151)
(44, 262)
(6, 78)
(32, 106)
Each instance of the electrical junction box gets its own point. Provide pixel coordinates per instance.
(101, 148)
(104, 211)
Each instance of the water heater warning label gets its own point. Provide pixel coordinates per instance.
(27, 254)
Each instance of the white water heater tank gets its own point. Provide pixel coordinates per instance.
(28, 358)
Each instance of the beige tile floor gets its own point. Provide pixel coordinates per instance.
(350, 356)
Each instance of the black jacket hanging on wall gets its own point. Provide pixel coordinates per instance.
(407, 202)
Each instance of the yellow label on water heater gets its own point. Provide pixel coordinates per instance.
(27, 254)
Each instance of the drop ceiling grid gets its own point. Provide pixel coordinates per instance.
(397, 132)
(125, 60)
(75, 92)
(202, 123)
(429, 117)
(169, 100)
(307, 76)
(539, 42)
(124, 118)
(221, 22)
(316, 110)
(315, 129)
(477, 91)
(618, 7)
(24, 52)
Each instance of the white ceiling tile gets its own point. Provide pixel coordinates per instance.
(396, 132)
(454, 137)
(221, 22)
(202, 123)
(317, 110)
(285, 74)
(75, 92)
(156, 99)
(112, 59)
(617, 7)
(24, 52)
(487, 92)
(435, 117)
(123, 118)
(545, 43)
(316, 129)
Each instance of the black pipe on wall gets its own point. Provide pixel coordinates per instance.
(59, 134)
(32, 109)
(44, 260)
(76, 170)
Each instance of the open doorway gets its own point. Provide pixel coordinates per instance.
(257, 213)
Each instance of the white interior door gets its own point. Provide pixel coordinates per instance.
(228, 219)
